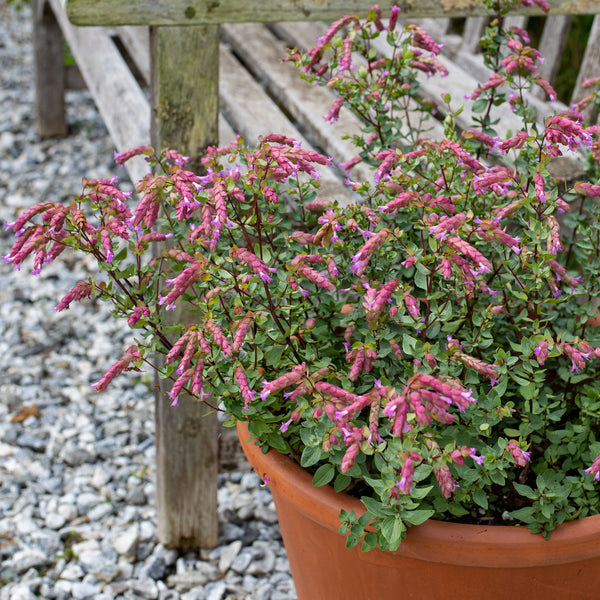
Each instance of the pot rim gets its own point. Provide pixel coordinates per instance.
(498, 546)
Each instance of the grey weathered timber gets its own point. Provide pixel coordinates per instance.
(194, 12)
(187, 468)
(49, 72)
(554, 38)
(473, 28)
(184, 67)
(120, 101)
(589, 67)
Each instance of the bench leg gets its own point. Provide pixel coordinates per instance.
(49, 72)
(184, 97)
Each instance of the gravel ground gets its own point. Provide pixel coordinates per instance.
(77, 468)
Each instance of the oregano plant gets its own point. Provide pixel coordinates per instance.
(431, 348)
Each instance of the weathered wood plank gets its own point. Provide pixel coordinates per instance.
(252, 113)
(262, 52)
(590, 67)
(515, 21)
(185, 67)
(136, 41)
(186, 472)
(554, 38)
(49, 72)
(121, 103)
(194, 12)
(472, 33)
(309, 104)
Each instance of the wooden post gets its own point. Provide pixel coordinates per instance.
(184, 97)
(49, 72)
(185, 88)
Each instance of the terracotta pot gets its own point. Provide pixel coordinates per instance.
(437, 561)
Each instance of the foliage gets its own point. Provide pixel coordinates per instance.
(17, 4)
(429, 349)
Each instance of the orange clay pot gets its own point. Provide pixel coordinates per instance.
(437, 560)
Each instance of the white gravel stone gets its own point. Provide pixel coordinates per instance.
(54, 521)
(72, 572)
(228, 554)
(85, 591)
(77, 482)
(126, 542)
(216, 590)
(6, 450)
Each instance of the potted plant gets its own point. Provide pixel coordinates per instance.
(425, 358)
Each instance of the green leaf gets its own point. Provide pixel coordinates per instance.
(547, 510)
(510, 432)
(525, 490)
(274, 356)
(369, 542)
(497, 477)
(342, 481)
(420, 280)
(352, 540)
(520, 380)
(416, 517)
(420, 492)
(392, 528)
(480, 498)
(323, 475)
(310, 456)
(524, 514)
(373, 506)
(276, 441)
(480, 105)
(454, 508)
(408, 344)
(529, 391)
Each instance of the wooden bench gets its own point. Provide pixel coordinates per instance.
(193, 73)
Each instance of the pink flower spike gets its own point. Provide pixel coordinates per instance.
(82, 289)
(594, 469)
(395, 11)
(445, 480)
(283, 381)
(121, 158)
(406, 477)
(247, 394)
(183, 281)
(132, 355)
(519, 456)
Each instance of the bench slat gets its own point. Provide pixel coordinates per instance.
(196, 12)
(136, 40)
(263, 52)
(590, 67)
(252, 113)
(552, 44)
(472, 33)
(127, 118)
